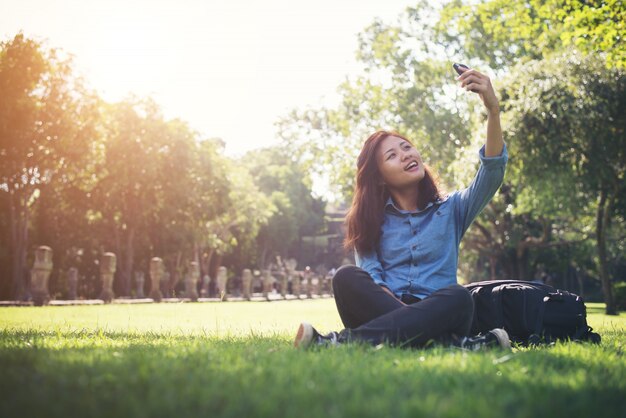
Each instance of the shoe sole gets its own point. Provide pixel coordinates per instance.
(304, 337)
(503, 338)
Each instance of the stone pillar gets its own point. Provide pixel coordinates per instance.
(246, 282)
(42, 267)
(296, 284)
(268, 280)
(72, 283)
(107, 270)
(308, 276)
(204, 291)
(191, 281)
(291, 275)
(284, 281)
(156, 275)
(139, 280)
(221, 281)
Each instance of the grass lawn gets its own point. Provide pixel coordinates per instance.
(236, 360)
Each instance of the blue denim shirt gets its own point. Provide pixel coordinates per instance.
(418, 250)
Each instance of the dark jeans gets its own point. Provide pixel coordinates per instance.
(372, 315)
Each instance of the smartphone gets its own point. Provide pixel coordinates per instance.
(457, 67)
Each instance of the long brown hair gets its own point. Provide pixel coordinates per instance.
(365, 216)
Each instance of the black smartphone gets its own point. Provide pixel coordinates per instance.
(457, 67)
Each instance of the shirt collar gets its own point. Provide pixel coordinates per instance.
(390, 205)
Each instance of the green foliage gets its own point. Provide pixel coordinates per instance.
(46, 117)
(280, 176)
(47, 126)
(118, 177)
(246, 210)
(567, 113)
(504, 32)
(160, 366)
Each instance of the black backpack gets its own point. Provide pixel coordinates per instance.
(530, 312)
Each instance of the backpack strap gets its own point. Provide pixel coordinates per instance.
(582, 333)
(585, 333)
(497, 301)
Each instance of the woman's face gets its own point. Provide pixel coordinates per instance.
(399, 163)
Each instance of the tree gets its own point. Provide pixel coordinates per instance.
(502, 32)
(280, 177)
(126, 192)
(569, 115)
(47, 132)
(247, 209)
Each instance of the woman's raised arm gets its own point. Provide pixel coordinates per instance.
(480, 84)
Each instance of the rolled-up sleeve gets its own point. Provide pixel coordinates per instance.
(370, 263)
(484, 186)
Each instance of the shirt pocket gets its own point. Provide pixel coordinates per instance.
(441, 224)
(395, 242)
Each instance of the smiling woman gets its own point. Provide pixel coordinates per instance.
(406, 235)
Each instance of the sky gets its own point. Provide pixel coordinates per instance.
(229, 68)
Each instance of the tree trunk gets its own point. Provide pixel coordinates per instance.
(118, 279)
(19, 242)
(508, 265)
(263, 256)
(602, 219)
(207, 261)
(521, 261)
(579, 279)
(128, 261)
(175, 274)
(493, 259)
(215, 264)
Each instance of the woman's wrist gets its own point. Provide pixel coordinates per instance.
(494, 109)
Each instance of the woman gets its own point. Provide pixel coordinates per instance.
(406, 235)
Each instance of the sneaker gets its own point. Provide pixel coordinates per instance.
(496, 338)
(308, 336)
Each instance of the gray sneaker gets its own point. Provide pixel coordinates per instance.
(308, 336)
(496, 338)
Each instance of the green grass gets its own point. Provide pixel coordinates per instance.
(236, 360)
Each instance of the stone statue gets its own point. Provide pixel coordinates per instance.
(191, 281)
(222, 282)
(42, 267)
(284, 280)
(72, 283)
(268, 281)
(139, 281)
(246, 281)
(107, 270)
(156, 275)
(292, 276)
(204, 290)
(308, 279)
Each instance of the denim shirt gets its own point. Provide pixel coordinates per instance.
(418, 250)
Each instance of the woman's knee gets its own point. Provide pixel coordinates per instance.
(345, 277)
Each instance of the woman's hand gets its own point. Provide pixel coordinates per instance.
(477, 82)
